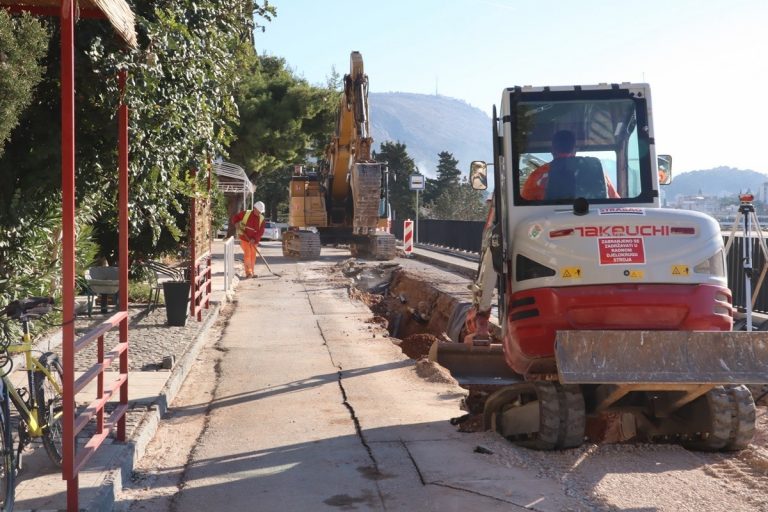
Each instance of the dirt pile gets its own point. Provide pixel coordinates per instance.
(417, 346)
(432, 372)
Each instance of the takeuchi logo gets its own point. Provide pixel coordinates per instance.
(595, 231)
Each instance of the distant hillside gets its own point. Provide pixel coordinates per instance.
(428, 124)
(720, 181)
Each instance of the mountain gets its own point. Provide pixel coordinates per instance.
(428, 124)
(720, 181)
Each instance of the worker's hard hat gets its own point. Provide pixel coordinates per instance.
(259, 206)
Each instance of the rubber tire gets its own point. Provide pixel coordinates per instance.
(743, 422)
(718, 404)
(49, 403)
(548, 436)
(573, 428)
(562, 419)
(7, 469)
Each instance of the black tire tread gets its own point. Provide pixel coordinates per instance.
(743, 420)
(718, 433)
(7, 467)
(51, 362)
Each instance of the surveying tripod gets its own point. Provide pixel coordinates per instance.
(748, 218)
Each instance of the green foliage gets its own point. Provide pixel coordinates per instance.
(448, 176)
(459, 202)
(401, 166)
(23, 41)
(181, 84)
(283, 121)
(29, 258)
(30, 248)
(180, 91)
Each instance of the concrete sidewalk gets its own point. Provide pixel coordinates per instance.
(40, 486)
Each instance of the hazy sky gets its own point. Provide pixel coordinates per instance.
(706, 60)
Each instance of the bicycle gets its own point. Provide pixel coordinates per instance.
(40, 410)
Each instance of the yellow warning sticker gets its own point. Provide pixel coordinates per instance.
(634, 274)
(571, 273)
(680, 270)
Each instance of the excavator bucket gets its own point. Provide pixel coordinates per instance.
(662, 357)
(474, 365)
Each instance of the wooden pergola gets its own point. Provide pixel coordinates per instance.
(120, 16)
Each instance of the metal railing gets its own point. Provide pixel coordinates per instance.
(201, 288)
(229, 264)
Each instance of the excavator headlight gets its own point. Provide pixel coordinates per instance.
(714, 265)
(526, 268)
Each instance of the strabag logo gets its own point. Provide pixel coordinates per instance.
(614, 231)
(621, 211)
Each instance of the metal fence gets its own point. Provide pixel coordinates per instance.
(466, 235)
(229, 264)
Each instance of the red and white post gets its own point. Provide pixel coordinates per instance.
(408, 237)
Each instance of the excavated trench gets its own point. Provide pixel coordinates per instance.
(418, 312)
(414, 312)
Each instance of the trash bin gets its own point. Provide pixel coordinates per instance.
(176, 295)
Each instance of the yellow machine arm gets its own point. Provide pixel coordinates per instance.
(352, 141)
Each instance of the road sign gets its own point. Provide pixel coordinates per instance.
(417, 182)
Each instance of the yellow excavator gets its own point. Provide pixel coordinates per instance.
(346, 201)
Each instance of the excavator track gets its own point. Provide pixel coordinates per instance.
(537, 415)
(378, 246)
(303, 245)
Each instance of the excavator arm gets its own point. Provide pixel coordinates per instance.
(476, 324)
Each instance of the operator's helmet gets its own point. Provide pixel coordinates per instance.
(259, 206)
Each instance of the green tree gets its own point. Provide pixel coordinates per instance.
(447, 176)
(23, 42)
(401, 166)
(180, 94)
(459, 202)
(284, 121)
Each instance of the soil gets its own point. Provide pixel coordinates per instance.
(416, 346)
(432, 372)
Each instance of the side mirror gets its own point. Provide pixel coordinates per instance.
(478, 175)
(664, 163)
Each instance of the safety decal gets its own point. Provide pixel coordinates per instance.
(535, 231)
(621, 251)
(571, 273)
(634, 274)
(621, 211)
(680, 270)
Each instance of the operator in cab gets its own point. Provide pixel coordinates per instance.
(250, 228)
(563, 146)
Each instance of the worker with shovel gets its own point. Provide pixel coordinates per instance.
(250, 227)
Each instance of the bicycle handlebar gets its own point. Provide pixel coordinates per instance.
(29, 307)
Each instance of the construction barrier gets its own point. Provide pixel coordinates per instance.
(408, 236)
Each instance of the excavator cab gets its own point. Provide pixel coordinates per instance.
(608, 304)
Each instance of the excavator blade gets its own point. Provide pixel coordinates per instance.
(474, 365)
(662, 357)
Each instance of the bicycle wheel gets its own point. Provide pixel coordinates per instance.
(7, 466)
(50, 405)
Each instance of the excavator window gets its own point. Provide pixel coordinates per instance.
(607, 132)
